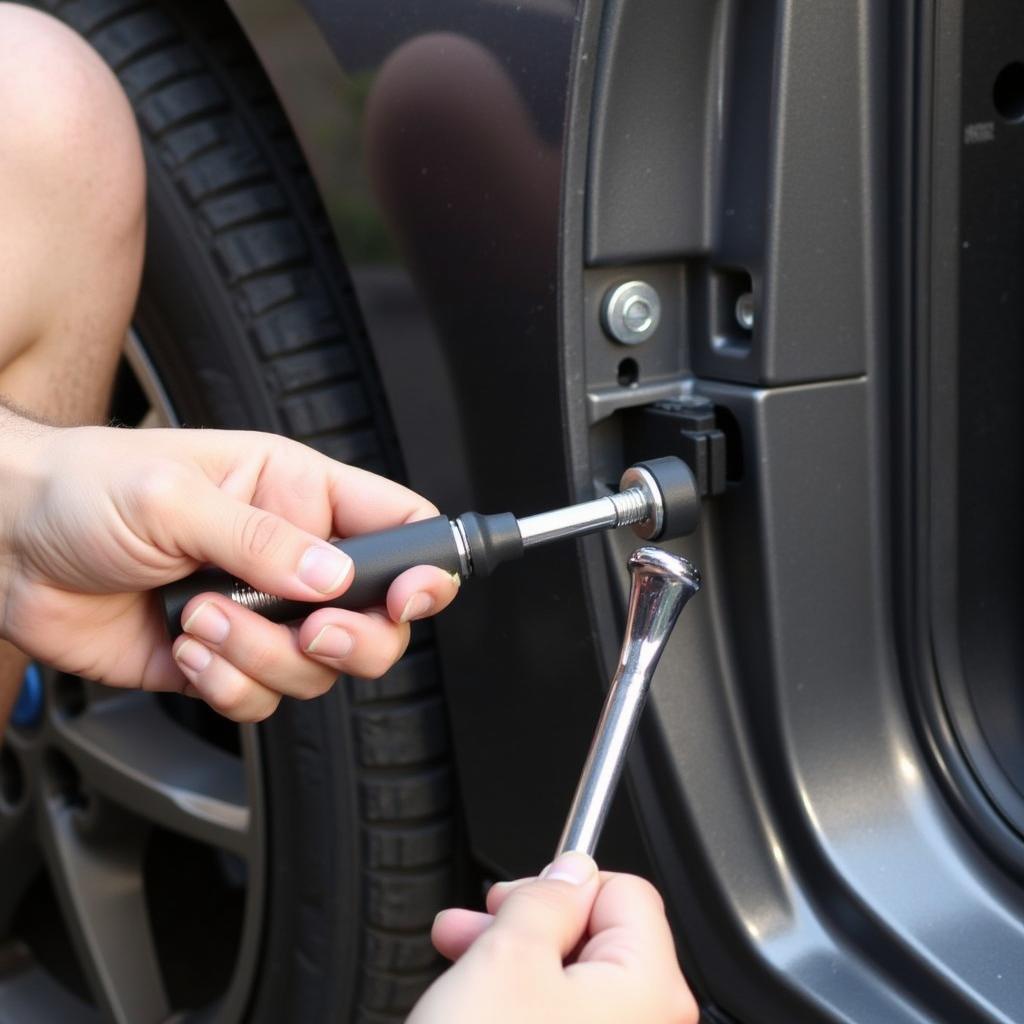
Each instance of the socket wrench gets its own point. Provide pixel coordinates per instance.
(661, 585)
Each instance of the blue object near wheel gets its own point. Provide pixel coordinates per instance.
(28, 710)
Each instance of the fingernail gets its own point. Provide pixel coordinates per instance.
(417, 606)
(193, 655)
(572, 867)
(332, 642)
(208, 623)
(324, 568)
(514, 883)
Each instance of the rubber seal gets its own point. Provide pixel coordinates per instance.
(680, 497)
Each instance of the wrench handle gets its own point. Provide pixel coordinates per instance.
(661, 586)
(379, 557)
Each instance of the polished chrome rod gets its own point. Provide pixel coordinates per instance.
(661, 586)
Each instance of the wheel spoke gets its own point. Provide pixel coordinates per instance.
(134, 755)
(97, 875)
(19, 861)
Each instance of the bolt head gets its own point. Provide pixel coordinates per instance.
(745, 311)
(631, 312)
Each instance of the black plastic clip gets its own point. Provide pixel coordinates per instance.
(685, 427)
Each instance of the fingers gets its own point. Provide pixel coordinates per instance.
(265, 651)
(224, 687)
(363, 502)
(362, 644)
(258, 546)
(268, 551)
(500, 891)
(548, 915)
(628, 919)
(455, 930)
(301, 662)
(300, 484)
(421, 591)
(631, 952)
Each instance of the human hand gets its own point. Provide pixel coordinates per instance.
(95, 517)
(572, 947)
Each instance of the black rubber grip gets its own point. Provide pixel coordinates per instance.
(378, 557)
(491, 540)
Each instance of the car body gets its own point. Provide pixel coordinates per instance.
(820, 788)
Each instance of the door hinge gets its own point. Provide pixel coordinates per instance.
(685, 427)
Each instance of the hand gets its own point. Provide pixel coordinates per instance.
(95, 517)
(572, 947)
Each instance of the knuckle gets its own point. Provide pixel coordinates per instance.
(265, 710)
(231, 697)
(502, 945)
(539, 899)
(262, 660)
(640, 890)
(260, 534)
(158, 487)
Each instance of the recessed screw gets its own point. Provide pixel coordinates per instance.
(631, 312)
(745, 311)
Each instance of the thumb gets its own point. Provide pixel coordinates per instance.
(551, 913)
(261, 548)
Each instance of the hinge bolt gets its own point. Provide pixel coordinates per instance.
(631, 312)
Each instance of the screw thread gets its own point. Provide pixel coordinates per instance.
(631, 506)
(251, 598)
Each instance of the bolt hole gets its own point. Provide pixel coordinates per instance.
(12, 780)
(629, 372)
(69, 695)
(64, 781)
(1008, 92)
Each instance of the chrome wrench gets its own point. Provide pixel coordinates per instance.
(661, 586)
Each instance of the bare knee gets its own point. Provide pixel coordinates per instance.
(72, 202)
(68, 135)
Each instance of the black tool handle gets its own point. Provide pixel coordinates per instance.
(378, 557)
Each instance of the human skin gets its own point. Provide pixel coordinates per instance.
(72, 206)
(94, 518)
(571, 947)
(72, 202)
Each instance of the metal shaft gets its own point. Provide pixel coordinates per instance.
(661, 586)
(626, 508)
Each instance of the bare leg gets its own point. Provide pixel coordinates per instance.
(72, 221)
